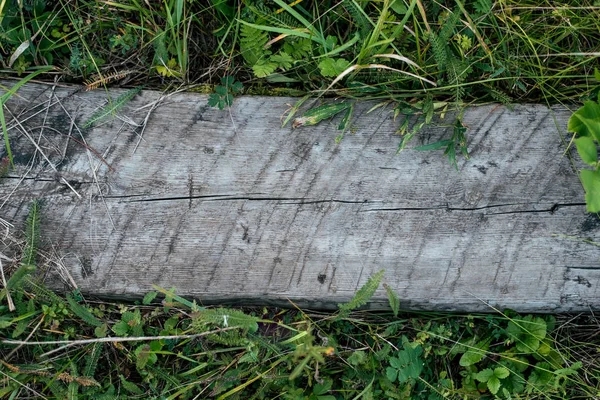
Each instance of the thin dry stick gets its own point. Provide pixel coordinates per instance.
(11, 125)
(42, 153)
(91, 163)
(7, 225)
(145, 123)
(17, 185)
(13, 351)
(423, 15)
(3, 257)
(46, 114)
(84, 145)
(11, 305)
(62, 269)
(38, 394)
(69, 343)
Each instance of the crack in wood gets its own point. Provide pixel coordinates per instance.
(550, 210)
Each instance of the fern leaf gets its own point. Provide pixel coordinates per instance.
(252, 44)
(82, 312)
(225, 317)
(358, 16)
(112, 107)
(40, 292)
(19, 276)
(447, 29)
(298, 48)
(457, 74)
(500, 97)
(229, 338)
(363, 295)
(439, 49)
(393, 299)
(32, 234)
(282, 20)
(91, 360)
(482, 7)
(98, 80)
(264, 68)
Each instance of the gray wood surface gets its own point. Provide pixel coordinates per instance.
(227, 206)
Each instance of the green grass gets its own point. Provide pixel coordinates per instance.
(64, 346)
(424, 58)
(455, 51)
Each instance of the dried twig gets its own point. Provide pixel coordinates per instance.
(13, 351)
(90, 161)
(63, 180)
(69, 343)
(11, 305)
(38, 394)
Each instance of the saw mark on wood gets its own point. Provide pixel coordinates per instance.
(306, 249)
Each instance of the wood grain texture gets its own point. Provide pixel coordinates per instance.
(227, 206)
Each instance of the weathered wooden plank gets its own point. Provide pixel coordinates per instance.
(227, 206)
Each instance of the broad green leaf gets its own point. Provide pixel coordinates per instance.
(283, 60)
(345, 122)
(318, 114)
(597, 74)
(393, 299)
(264, 68)
(475, 354)
(591, 183)
(493, 384)
(330, 67)
(586, 120)
(227, 80)
(501, 372)
(101, 331)
(357, 358)
(214, 100)
(391, 373)
(484, 375)
(142, 356)
(221, 90)
(322, 388)
(236, 87)
(130, 386)
(120, 328)
(398, 7)
(527, 333)
(586, 147)
(409, 363)
(149, 297)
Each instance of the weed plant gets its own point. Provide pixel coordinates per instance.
(401, 50)
(63, 346)
(422, 57)
(166, 347)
